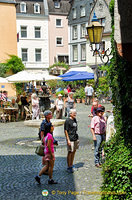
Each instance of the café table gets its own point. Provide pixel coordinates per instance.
(10, 110)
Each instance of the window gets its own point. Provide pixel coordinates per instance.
(74, 32)
(59, 41)
(38, 55)
(75, 53)
(83, 30)
(58, 23)
(74, 13)
(57, 4)
(23, 7)
(102, 21)
(82, 8)
(36, 8)
(24, 55)
(83, 51)
(23, 31)
(37, 32)
(64, 59)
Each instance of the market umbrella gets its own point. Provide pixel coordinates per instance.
(86, 69)
(20, 77)
(44, 76)
(3, 80)
(80, 76)
(71, 73)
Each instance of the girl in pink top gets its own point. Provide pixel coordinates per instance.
(49, 157)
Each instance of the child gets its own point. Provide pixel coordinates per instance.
(49, 158)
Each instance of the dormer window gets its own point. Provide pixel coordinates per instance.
(57, 4)
(36, 8)
(23, 7)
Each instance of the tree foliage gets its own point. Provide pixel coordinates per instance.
(15, 64)
(59, 64)
(3, 69)
(118, 165)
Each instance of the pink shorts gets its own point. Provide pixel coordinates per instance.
(48, 157)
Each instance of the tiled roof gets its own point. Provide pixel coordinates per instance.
(30, 6)
(64, 7)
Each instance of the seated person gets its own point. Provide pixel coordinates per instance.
(14, 105)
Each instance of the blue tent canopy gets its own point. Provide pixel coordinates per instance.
(71, 73)
(80, 76)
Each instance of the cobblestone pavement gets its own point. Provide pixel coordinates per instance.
(19, 164)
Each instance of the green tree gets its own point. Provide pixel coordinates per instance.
(3, 69)
(15, 64)
(103, 87)
(59, 64)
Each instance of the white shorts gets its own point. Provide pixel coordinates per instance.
(74, 146)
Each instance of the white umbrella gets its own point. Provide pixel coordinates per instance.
(44, 76)
(3, 80)
(20, 77)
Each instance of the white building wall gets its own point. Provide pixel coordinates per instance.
(31, 43)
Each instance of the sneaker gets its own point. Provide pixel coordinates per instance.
(70, 170)
(98, 165)
(37, 179)
(52, 182)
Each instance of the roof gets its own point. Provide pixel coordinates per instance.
(8, 1)
(63, 10)
(30, 6)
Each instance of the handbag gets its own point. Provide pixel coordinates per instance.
(40, 150)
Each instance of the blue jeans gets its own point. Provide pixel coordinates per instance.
(97, 146)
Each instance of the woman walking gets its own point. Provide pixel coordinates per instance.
(49, 158)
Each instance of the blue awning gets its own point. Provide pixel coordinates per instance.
(79, 76)
(71, 73)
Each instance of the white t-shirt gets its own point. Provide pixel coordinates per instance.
(59, 103)
(89, 91)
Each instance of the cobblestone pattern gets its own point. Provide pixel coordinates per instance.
(19, 165)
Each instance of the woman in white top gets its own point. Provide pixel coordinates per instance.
(35, 106)
(59, 107)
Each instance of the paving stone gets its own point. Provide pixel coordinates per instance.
(19, 164)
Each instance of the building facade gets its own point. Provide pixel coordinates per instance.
(32, 32)
(58, 31)
(78, 21)
(8, 33)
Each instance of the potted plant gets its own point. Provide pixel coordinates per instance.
(82, 95)
(77, 96)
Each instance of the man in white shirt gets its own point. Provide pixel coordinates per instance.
(89, 93)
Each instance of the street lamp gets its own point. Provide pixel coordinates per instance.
(95, 32)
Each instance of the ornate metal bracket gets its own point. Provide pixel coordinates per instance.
(103, 56)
